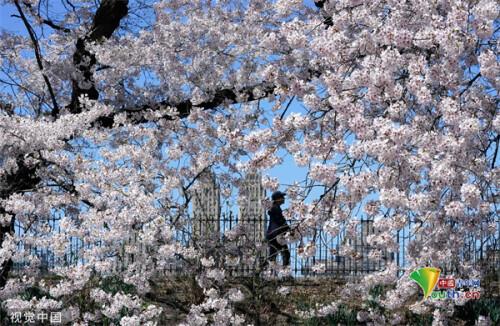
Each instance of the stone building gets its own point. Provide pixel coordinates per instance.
(251, 210)
(206, 207)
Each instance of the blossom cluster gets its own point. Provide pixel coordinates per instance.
(391, 107)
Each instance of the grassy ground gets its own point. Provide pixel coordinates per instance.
(265, 305)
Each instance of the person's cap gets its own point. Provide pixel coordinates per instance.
(277, 195)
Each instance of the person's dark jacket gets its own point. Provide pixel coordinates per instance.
(277, 223)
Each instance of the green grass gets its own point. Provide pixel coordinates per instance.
(343, 316)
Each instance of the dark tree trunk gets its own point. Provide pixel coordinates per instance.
(106, 20)
(23, 179)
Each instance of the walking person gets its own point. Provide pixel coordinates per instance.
(277, 226)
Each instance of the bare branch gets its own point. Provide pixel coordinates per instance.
(223, 96)
(46, 21)
(55, 110)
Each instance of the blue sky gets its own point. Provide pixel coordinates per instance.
(7, 22)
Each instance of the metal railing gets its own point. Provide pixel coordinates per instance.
(336, 256)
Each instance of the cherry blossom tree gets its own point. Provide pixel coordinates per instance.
(111, 110)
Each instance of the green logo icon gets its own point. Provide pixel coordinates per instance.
(426, 278)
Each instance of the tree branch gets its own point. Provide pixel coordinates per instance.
(328, 19)
(106, 20)
(55, 110)
(223, 96)
(469, 83)
(497, 140)
(46, 21)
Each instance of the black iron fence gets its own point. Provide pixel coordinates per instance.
(318, 253)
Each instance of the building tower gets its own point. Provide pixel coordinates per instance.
(251, 208)
(206, 208)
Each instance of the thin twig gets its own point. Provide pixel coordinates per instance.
(287, 106)
(496, 152)
(38, 56)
